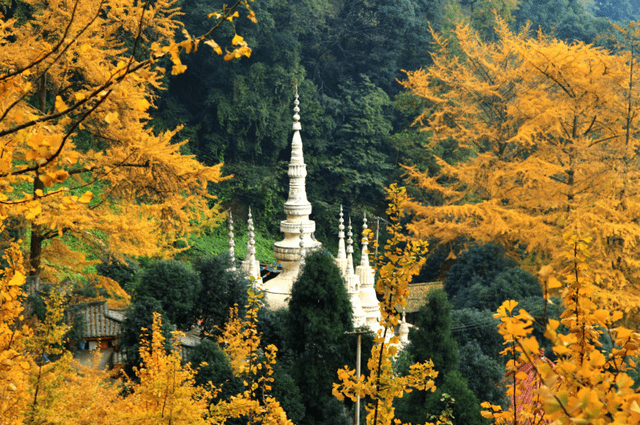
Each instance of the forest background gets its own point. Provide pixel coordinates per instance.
(347, 59)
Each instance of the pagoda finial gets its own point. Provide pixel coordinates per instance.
(364, 258)
(341, 258)
(341, 250)
(296, 110)
(232, 244)
(349, 249)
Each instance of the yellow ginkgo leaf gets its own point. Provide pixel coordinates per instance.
(237, 40)
(216, 48)
(60, 105)
(34, 212)
(111, 117)
(86, 198)
(142, 105)
(554, 283)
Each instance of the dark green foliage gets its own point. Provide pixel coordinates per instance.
(217, 371)
(176, 286)
(74, 316)
(139, 317)
(484, 278)
(470, 325)
(260, 188)
(431, 339)
(480, 263)
(36, 306)
(220, 290)
(431, 336)
(466, 409)
(480, 345)
(124, 272)
(344, 57)
(285, 390)
(484, 374)
(564, 19)
(438, 262)
(84, 288)
(355, 161)
(272, 326)
(618, 10)
(377, 38)
(335, 413)
(319, 308)
(319, 314)
(510, 284)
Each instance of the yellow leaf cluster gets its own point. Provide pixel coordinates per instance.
(240, 340)
(14, 365)
(138, 190)
(587, 384)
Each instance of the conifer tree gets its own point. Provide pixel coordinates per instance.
(319, 315)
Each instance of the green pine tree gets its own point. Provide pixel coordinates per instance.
(319, 315)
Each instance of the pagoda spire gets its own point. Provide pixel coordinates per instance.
(353, 283)
(232, 245)
(250, 265)
(251, 243)
(364, 258)
(350, 251)
(367, 291)
(297, 204)
(303, 253)
(341, 259)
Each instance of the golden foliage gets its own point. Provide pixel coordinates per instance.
(137, 191)
(240, 341)
(166, 393)
(14, 365)
(587, 385)
(550, 129)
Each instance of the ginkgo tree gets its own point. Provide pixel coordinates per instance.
(77, 154)
(550, 130)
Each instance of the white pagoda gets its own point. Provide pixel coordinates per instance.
(297, 226)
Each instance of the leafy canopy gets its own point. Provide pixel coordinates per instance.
(553, 129)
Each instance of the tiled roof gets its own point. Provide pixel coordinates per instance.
(418, 294)
(100, 321)
(103, 322)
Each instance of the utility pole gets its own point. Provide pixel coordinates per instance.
(359, 332)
